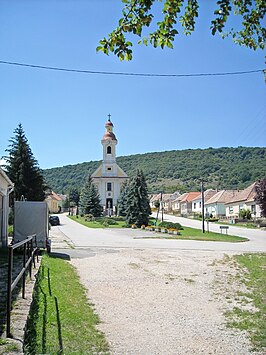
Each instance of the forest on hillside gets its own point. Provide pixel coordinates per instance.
(182, 170)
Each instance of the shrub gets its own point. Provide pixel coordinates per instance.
(106, 221)
(89, 218)
(171, 225)
(245, 214)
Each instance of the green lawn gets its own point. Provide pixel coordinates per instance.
(196, 234)
(253, 275)
(61, 319)
(94, 224)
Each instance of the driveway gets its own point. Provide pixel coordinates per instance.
(155, 296)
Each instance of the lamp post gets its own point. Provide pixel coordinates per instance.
(202, 206)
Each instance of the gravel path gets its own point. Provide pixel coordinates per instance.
(161, 301)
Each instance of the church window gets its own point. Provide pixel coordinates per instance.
(109, 186)
(109, 150)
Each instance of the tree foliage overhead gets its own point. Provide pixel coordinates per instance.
(138, 14)
(90, 200)
(23, 170)
(221, 168)
(261, 195)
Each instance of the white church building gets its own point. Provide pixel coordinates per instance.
(109, 177)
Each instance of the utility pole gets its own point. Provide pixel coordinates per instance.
(162, 204)
(202, 206)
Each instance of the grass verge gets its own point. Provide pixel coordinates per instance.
(61, 320)
(94, 224)
(253, 275)
(196, 234)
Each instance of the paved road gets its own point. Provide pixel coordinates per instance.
(83, 237)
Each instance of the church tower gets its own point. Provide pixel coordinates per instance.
(109, 177)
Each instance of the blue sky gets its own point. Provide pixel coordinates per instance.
(63, 114)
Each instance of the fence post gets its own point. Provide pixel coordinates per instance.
(24, 274)
(9, 293)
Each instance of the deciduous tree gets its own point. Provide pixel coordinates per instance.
(138, 14)
(261, 195)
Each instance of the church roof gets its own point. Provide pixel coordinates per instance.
(109, 123)
(109, 135)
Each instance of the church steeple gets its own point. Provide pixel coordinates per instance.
(109, 142)
(109, 177)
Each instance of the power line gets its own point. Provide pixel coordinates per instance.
(130, 74)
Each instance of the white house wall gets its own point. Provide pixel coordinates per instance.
(4, 186)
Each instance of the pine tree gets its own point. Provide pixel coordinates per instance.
(138, 207)
(122, 200)
(23, 170)
(89, 199)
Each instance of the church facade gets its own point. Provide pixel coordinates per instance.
(109, 177)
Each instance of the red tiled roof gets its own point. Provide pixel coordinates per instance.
(248, 194)
(222, 196)
(55, 196)
(190, 196)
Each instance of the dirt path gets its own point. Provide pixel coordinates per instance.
(161, 301)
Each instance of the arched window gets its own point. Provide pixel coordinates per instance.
(109, 150)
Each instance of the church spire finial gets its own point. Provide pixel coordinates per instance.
(109, 117)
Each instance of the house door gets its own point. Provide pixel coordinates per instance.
(109, 203)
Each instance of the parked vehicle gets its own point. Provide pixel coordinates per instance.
(54, 220)
(30, 218)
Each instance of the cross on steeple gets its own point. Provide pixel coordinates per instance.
(109, 117)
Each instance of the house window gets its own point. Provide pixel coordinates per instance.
(241, 207)
(109, 150)
(253, 208)
(109, 169)
(194, 205)
(109, 186)
(200, 204)
(231, 209)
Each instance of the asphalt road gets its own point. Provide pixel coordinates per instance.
(83, 237)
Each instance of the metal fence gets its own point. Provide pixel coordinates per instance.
(30, 250)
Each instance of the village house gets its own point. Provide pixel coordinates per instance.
(243, 200)
(54, 202)
(176, 208)
(109, 177)
(215, 206)
(154, 198)
(197, 201)
(6, 187)
(186, 203)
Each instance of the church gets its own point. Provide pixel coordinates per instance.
(109, 177)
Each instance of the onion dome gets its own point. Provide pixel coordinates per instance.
(109, 123)
(109, 136)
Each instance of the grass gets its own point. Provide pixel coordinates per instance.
(253, 275)
(196, 234)
(10, 230)
(94, 224)
(61, 320)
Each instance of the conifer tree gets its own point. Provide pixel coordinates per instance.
(23, 170)
(89, 199)
(138, 207)
(122, 200)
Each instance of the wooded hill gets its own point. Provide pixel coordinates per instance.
(221, 168)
